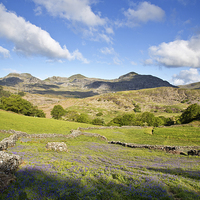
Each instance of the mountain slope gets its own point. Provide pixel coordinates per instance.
(81, 86)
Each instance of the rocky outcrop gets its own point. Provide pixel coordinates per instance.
(56, 146)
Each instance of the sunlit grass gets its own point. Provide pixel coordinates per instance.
(36, 125)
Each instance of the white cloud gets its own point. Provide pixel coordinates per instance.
(133, 63)
(186, 77)
(5, 52)
(145, 12)
(32, 40)
(178, 53)
(148, 62)
(117, 61)
(95, 35)
(38, 10)
(109, 31)
(107, 50)
(73, 10)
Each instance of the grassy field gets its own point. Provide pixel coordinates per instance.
(36, 125)
(93, 169)
(178, 136)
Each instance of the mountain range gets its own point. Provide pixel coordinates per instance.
(81, 86)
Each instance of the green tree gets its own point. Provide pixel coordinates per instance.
(191, 113)
(57, 112)
(148, 118)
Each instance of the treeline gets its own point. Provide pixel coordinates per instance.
(142, 119)
(15, 103)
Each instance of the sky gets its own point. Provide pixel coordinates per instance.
(101, 38)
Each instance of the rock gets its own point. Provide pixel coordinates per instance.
(9, 162)
(5, 180)
(57, 146)
(193, 153)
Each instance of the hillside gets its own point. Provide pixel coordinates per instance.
(79, 86)
(112, 104)
(191, 86)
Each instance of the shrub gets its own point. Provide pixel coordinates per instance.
(83, 118)
(4, 93)
(168, 110)
(98, 121)
(71, 115)
(16, 104)
(190, 114)
(99, 114)
(137, 108)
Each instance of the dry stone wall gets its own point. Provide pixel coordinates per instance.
(186, 150)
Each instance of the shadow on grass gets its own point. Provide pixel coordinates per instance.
(36, 184)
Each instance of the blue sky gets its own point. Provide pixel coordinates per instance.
(101, 38)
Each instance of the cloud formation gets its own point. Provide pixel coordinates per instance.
(107, 50)
(4, 52)
(73, 10)
(145, 12)
(32, 40)
(186, 77)
(179, 53)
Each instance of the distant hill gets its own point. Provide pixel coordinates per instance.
(191, 86)
(81, 86)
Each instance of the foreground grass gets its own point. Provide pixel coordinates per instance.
(36, 125)
(93, 169)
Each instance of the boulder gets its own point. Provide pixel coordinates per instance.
(9, 162)
(5, 180)
(8, 165)
(56, 146)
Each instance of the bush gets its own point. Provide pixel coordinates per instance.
(190, 114)
(16, 104)
(99, 114)
(83, 118)
(57, 112)
(168, 110)
(21, 93)
(98, 121)
(137, 108)
(71, 115)
(4, 93)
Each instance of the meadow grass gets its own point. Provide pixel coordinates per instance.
(94, 169)
(36, 125)
(178, 136)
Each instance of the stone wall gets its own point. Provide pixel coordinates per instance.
(186, 150)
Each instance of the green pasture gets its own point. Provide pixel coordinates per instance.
(178, 136)
(35, 125)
